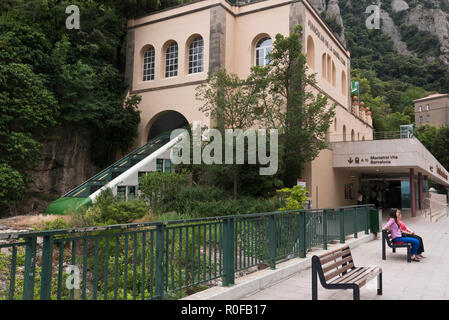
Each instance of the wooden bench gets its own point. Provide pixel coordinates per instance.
(386, 239)
(336, 270)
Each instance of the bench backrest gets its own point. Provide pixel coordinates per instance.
(335, 263)
(387, 236)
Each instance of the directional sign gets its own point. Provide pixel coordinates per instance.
(355, 87)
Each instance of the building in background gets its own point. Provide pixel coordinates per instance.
(432, 110)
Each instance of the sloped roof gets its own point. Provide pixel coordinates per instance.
(432, 96)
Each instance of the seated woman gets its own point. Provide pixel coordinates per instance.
(411, 234)
(396, 234)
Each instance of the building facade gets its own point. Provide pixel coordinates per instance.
(432, 110)
(171, 52)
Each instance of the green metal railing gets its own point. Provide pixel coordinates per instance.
(156, 260)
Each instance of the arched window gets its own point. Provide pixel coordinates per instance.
(171, 60)
(148, 64)
(310, 52)
(344, 133)
(329, 68)
(196, 49)
(263, 47)
(334, 75)
(335, 125)
(324, 66)
(343, 83)
(352, 135)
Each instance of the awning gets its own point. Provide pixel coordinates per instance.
(389, 156)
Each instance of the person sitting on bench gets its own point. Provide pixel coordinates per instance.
(406, 232)
(396, 234)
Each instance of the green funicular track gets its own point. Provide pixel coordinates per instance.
(81, 196)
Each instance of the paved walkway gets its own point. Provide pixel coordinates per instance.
(424, 280)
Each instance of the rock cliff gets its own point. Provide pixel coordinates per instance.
(65, 164)
(428, 16)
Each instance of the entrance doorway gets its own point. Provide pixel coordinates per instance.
(166, 122)
(385, 193)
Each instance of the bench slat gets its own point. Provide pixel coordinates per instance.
(334, 255)
(323, 255)
(358, 275)
(336, 264)
(369, 274)
(345, 278)
(339, 271)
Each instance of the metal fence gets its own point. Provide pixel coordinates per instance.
(157, 260)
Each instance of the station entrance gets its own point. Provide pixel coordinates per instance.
(389, 192)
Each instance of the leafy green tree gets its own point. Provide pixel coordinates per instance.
(27, 110)
(397, 119)
(302, 117)
(232, 104)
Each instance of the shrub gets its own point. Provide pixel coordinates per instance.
(159, 189)
(188, 197)
(58, 223)
(295, 198)
(108, 209)
(122, 212)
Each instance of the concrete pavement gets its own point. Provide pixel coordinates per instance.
(425, 280)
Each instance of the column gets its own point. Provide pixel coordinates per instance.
(420, 190)
(412, 192)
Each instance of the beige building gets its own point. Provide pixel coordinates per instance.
(169, 53)
(432, 110)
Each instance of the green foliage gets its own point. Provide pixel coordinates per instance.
(295, 198)
(391, 102)
(109, 210)
(57, 224)
(421, 42)
(12, 186)
(53, 77)
(307, 118)
(204, 201)
(160, 188)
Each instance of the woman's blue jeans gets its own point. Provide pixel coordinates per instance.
(413, 241)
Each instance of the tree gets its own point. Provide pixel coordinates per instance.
(285, 94)
(230, 103)
(27, 110)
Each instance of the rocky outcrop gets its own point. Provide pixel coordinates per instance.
(65, 164)
(399, 5)
(389, 28)
(331, 10)
(435, 22)
(319, 5)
